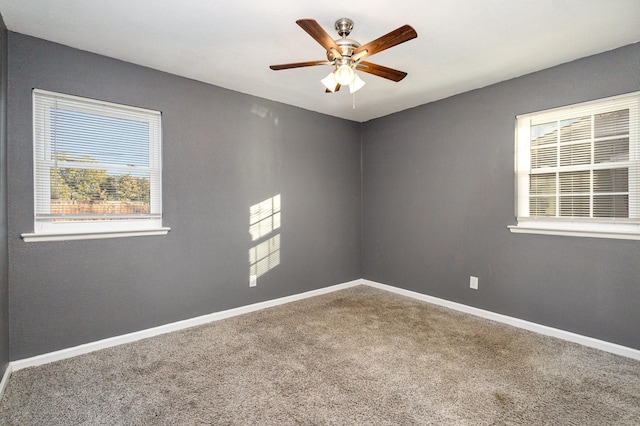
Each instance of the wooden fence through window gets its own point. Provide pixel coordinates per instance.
(99, 207)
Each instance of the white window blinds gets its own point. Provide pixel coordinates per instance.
(97, 165)
(580, 163)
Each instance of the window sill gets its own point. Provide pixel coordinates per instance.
(625, 232)
(59, 236)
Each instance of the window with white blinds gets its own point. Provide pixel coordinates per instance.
(97, 167)
(578, 169)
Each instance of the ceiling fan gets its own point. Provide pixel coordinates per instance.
(346, 55)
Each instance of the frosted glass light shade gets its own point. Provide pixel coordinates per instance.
(344, 74)
(356, 84)
(330, 82)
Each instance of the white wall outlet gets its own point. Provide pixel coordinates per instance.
(253, 280)
(473, 282)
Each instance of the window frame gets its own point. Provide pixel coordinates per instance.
(49, 230)
(603, 227)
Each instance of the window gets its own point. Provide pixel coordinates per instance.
(578, 170)
(97, 169)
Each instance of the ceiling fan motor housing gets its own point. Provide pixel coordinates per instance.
(346, 45)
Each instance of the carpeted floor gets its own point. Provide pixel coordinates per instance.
(357, 356)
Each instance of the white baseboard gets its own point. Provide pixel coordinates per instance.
(204, 319)
(5, 379)
(167, 328)
(516, 322)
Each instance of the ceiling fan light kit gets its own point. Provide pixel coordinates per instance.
(345, 55)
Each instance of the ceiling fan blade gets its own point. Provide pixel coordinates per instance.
(299, 65)
(381, 71)
(395, 37)
(318, 33)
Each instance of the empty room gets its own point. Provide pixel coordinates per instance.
(281, 212)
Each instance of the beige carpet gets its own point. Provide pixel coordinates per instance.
(358, 356)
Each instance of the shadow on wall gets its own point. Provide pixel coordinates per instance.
(264, 221)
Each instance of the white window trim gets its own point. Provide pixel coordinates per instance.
(61, 236)
(46, 231)
(588, 227)
(593, 230)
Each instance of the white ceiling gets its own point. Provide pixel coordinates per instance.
(461, 44)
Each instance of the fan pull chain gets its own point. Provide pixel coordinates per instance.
(354, 100)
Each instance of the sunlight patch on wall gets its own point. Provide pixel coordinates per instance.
(264, 112)
(264, 217)
(265, 256)
(264, 220)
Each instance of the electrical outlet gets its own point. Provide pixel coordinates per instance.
(253, 280)
(473, 283)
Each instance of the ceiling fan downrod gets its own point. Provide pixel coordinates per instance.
(344, 27)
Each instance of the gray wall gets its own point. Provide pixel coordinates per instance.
(437, 189)
(4, 252)
(439, 193)
(223, 152)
